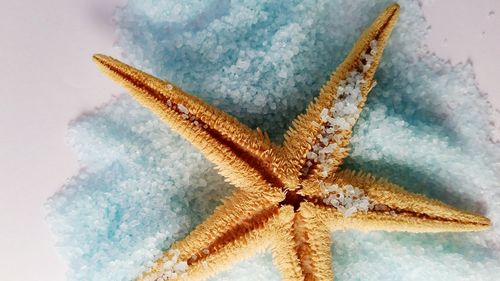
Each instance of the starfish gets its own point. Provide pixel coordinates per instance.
(289, 198)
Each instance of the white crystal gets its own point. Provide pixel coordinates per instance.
(182, 108)
(329, 149)
(168, 265)
(311, 155)
(347, 199)
(181, 266)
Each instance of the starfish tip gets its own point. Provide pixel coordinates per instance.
(103, 62)
(390, 15)
(99, 58)
(394, 7)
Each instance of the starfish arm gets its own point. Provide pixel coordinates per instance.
(316, 143)
(243, 156)
(285, 255)
(394, 209)
(303, 249)
(242, 219)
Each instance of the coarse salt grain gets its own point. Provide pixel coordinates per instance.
(172, 267)
(182, 108)
(347, 199)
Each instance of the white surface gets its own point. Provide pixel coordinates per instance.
(48, 79)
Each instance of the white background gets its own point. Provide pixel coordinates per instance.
(47, 79)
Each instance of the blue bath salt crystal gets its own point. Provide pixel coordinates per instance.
(426, 126)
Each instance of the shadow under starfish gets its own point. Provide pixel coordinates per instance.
(289, 198)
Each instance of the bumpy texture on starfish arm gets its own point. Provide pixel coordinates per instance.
(244, 156)
(362, 61)
(397, 209)
(289, 198)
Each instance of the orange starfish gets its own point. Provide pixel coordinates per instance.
(289, 198)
